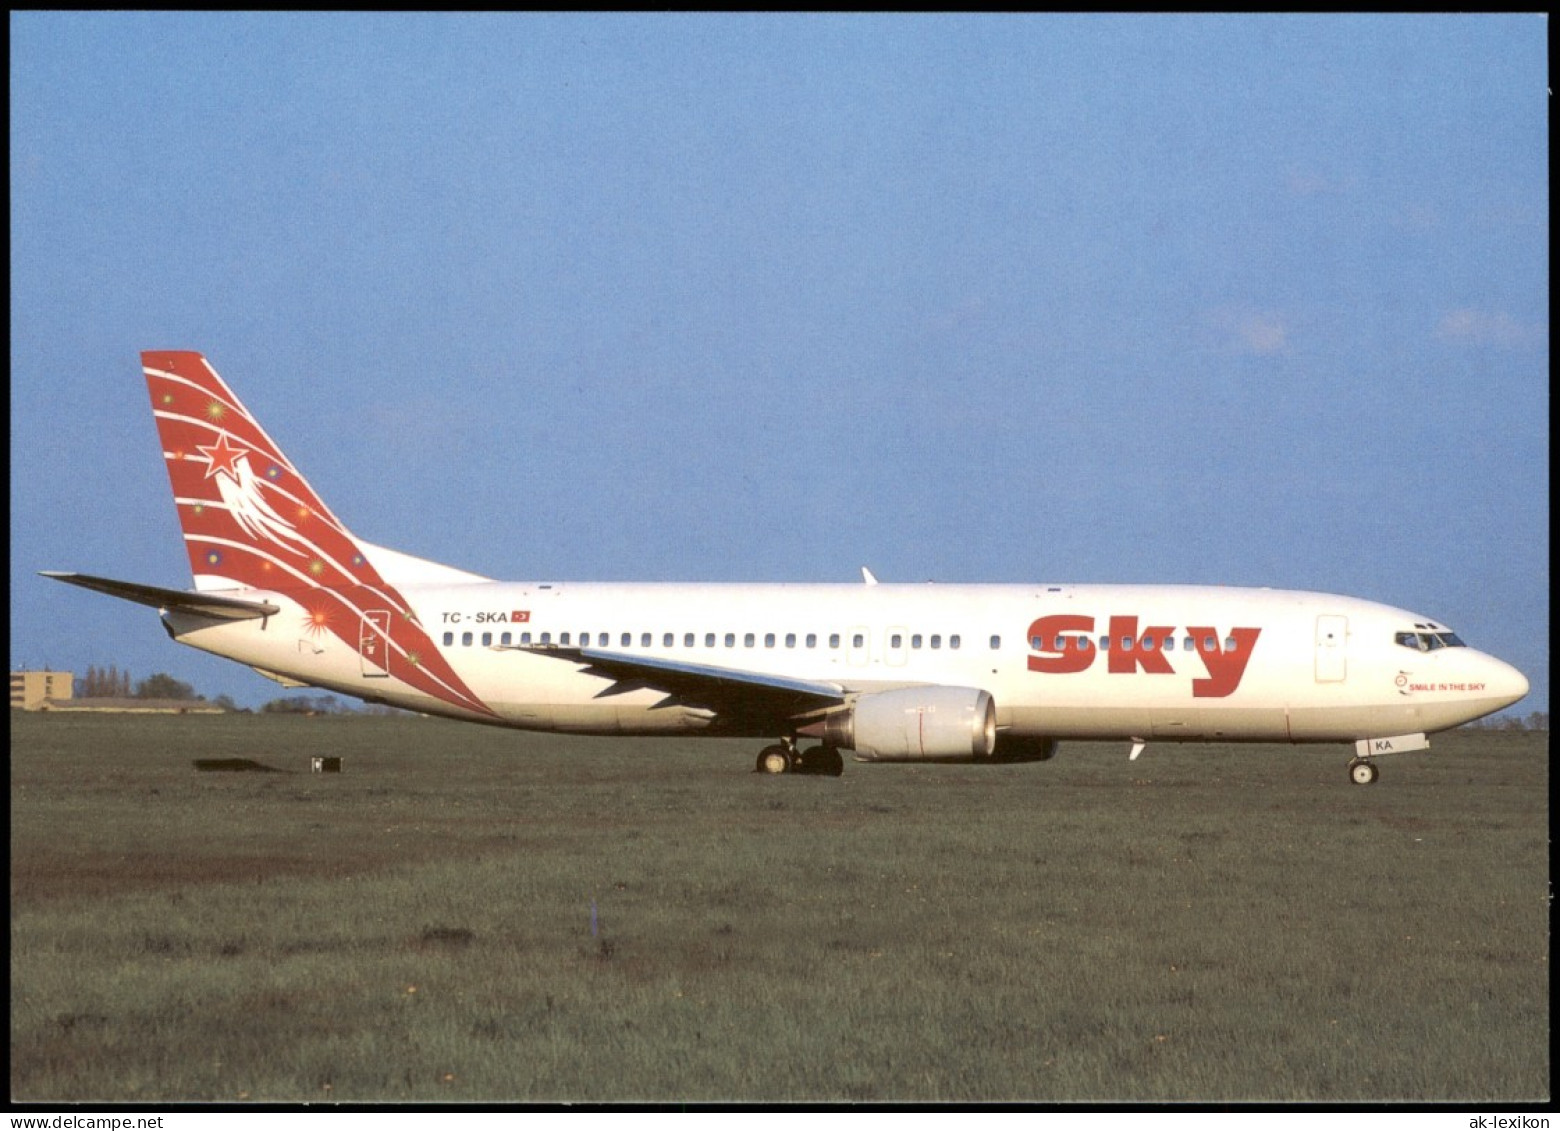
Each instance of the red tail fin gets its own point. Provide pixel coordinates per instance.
(250, 520)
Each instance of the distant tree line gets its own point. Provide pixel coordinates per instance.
(164, 686)
(111, 683)
(326, 705)
(305, 705)
(1536, 721)
(105, 683)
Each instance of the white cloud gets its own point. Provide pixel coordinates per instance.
(1468, 326)
(1258, 332)
(1263, 333)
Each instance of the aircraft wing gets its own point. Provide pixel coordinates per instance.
(171, 600)
(730, 692)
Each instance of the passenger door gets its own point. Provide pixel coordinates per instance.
(1332, 643)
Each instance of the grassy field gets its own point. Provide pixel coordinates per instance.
(468, 914)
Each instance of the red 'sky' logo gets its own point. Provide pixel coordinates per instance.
(1061, 642)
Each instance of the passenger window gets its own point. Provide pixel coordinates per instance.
(731, 640)
(709, 640)
(1210, 644)
(563, 638)
(1229, 644)
(769, 640)
(748, 640)
(505, 639)
(687, 640)
(465, 639)
(1104, 644)
(1188, 644)
(858, 641)
(915, 640)
(1169, 644)
(644, 640)
(996, 643)
(953, 641)
(812, 640)
(1126, 644)
(668, 640)
(834, 640)
(627, 639)
(546, 638)
(449, 638)
(604, 639)
(936, 641)
(894, 641)
(487, 639)
(790, 640)
(1148, 643)
(525, 638)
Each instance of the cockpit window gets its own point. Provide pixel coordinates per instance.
(1429, 641)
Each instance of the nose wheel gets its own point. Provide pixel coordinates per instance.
(1362, 772)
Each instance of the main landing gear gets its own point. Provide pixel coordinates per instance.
(785, 758)
(1362, 772)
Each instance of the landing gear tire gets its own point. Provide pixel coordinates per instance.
(821, 760)
(774, 760)
(1362, 773)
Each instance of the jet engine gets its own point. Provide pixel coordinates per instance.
(914, 724)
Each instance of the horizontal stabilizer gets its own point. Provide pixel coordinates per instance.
(171, 600)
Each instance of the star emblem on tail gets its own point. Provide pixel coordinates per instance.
(240, 489)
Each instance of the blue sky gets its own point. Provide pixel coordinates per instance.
(1247, 300)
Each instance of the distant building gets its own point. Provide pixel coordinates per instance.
(56, 691)
(30, 690)
(133, 706)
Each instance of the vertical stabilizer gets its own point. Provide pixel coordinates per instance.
(249, 519)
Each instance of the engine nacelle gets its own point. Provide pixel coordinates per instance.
(914, 724)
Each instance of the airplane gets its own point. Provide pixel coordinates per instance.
(977, 673)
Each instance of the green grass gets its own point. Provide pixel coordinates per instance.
(1209, 923)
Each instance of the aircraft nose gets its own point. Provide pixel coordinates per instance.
(1506, 683)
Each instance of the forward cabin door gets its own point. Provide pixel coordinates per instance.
(1332, 640)
(374, 642)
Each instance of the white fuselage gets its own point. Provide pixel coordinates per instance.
(1160, 662)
